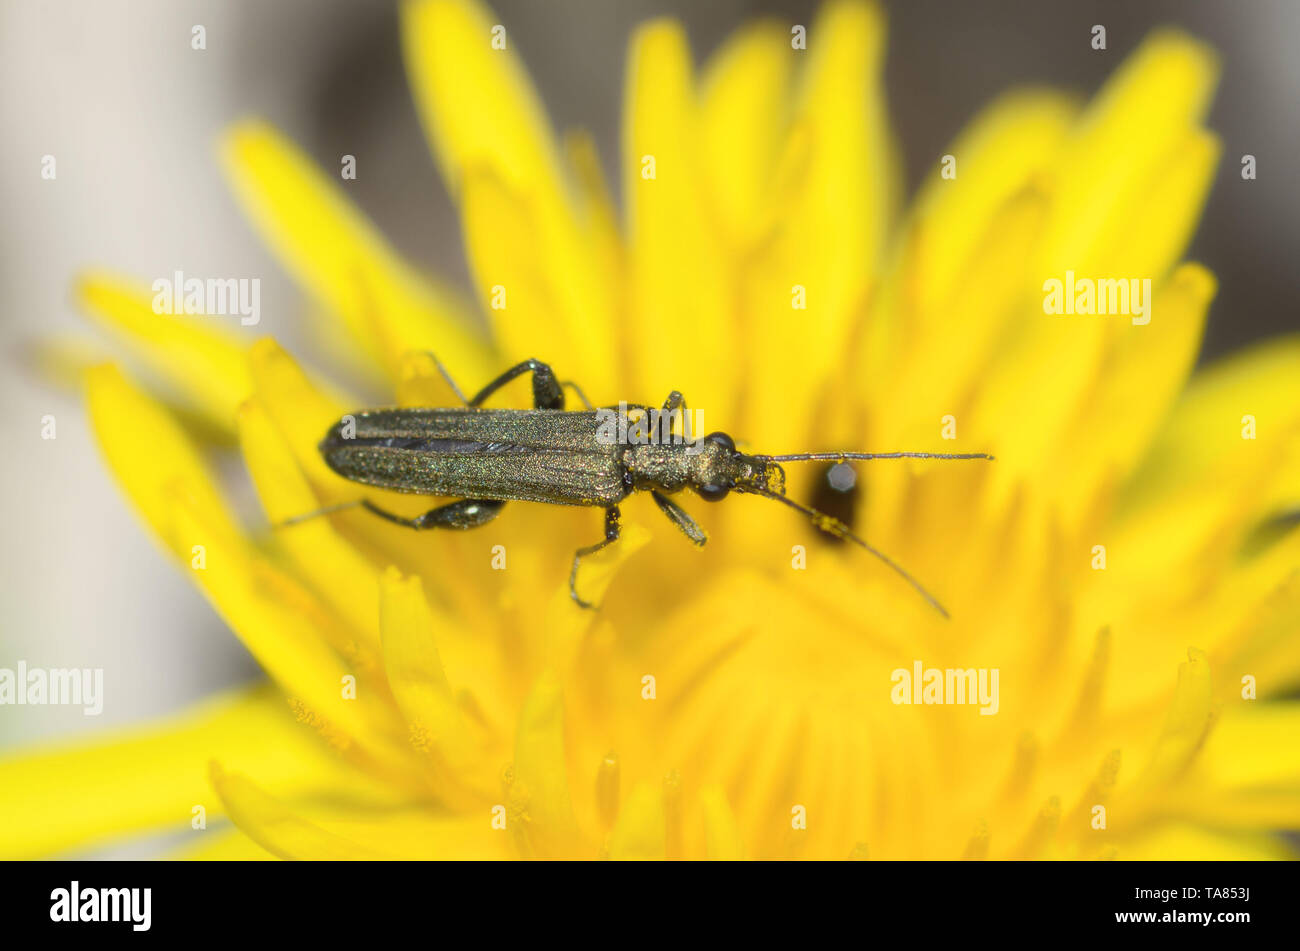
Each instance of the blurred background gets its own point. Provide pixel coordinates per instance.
(112, 89)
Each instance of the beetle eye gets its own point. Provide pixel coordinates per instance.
(712, 492)
(723, 440)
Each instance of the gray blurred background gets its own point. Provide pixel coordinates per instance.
(113, 90)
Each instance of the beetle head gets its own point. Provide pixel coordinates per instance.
(719, 468)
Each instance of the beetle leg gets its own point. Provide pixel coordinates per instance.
(547, 393)
(679, 517)
(327, 510)
(674, 403)
(505, 378)
(577, 389)
(447, 376)
(611, 535)
(467, 513)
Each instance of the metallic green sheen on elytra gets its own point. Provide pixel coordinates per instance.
(514, 455)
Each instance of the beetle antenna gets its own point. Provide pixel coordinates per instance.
(843, 456)
(833, 526)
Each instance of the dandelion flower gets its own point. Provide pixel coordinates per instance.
(1123, 565)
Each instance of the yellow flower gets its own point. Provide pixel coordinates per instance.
(723, 702)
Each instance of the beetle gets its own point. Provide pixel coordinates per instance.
(488, 457)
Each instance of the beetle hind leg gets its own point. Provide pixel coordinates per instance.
(612, 531)
(462, 515)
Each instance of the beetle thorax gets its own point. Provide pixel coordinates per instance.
(666, 468)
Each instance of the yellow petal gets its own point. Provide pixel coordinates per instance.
(65, 359)
(151, 457)
(539, 787)
(137, 780)
(199, 359)
(833, 233)
(744, 113)
(1141, 240)
(339, 258)
(416, 675)
(420, 383)
(1125, 190)
(1152, 228)
(598, 217)
(1204, 440)
(722, 838)
(484, 119)
(1130, 129)
(1256, 615)
(854, 162)
(641, 829)
(1146, 372)
(302, 412)
(281, 625)
(929, 334)
(1189, 719)
(416, 833)
(683, 320)
(224, 845)
(1183, 841)
(566, 622)
(276, 828)
(334, 568)
(164, 476)
(1202, 477)
(1254, 746)
(510, 277)
(1010, 141)
(947, 361)
(321, 829)
(476, 102)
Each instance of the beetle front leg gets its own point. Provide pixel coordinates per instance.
(674, 403)
(681, 518)
(462, 515)
(611, 535)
